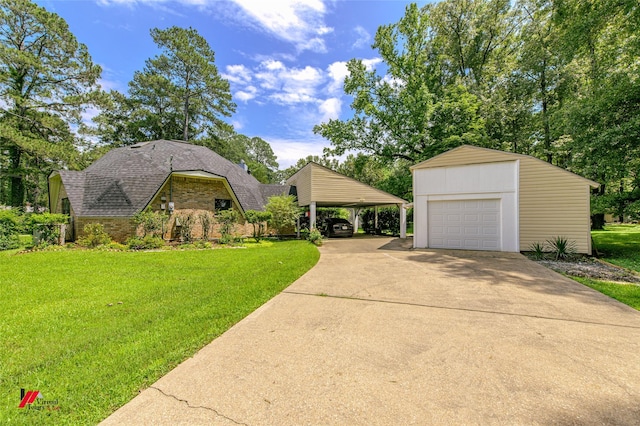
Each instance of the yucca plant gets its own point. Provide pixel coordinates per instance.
(562, 247)
(537, 250)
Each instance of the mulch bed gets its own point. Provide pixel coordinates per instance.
(589, 267)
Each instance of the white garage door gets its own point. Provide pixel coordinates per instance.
(464, 224)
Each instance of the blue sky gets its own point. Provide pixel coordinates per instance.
(285, 59)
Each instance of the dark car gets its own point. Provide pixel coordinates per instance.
(336, 227)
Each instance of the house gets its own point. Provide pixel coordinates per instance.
(482, 199)
(167, 176)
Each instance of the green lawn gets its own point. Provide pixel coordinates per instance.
(620, 245)
(89, 329)
(629, 294)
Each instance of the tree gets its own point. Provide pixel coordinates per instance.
(178, 95)
(47, 79)
(284, 212)
(409, 113)
(185, 74)
(257, 219)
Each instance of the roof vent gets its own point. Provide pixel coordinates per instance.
(243, 166)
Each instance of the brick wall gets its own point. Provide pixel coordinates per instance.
(191, 194)
(118, 228)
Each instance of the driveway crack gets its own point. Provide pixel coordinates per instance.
(199, 407)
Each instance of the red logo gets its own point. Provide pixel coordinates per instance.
(28, 397)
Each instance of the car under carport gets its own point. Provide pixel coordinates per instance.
(318, 186)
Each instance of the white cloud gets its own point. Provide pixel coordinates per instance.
(289, 85)
(237, 124)
(289, 151)
(330, 109)
(337, 72)
(247, 94)
(237, 74)
(364, 38)
(300, 22)
(370, 64)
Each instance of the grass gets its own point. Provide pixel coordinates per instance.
(619, 245)
(90, 329)
(629, 294)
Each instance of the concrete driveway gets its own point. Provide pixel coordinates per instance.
(379, 334)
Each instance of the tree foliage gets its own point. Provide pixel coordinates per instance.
(284, 212)
(47, 79)
(557, 79)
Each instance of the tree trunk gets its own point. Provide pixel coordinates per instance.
(17, 184)
(597, 222)
(545, 112)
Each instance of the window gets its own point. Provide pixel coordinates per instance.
(66, 206)
(222, 204)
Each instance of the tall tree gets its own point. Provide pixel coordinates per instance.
(186, 70)
(408, 113)
(47, 79)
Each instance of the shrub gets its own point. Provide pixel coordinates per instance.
(149, 242)
(47, 226)
(562, 247)
(206, 220)
(186, 227)
(227, 220)
(94, 236)
(388, 221)
(9, 229)
(284, 212)
(315, 237)
(537, 250)
(257, 220)
(152, 223)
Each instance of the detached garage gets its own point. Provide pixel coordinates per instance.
(473, 198)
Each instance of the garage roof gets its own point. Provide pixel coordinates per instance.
(468, 154)
(316, 183)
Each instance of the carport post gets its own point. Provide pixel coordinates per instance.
(312, 215)
(375, 223)
(403, 221)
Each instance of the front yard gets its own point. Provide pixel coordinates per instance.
(90, 329)
(619, 245)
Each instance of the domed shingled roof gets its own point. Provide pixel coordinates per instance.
(125, 180)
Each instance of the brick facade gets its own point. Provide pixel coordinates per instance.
(118, 228)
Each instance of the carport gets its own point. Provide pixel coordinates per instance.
(318, 186)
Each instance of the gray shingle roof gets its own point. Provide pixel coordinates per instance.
(124, 180)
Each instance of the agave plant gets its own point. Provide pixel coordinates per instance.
(537, 250)
(562, 247)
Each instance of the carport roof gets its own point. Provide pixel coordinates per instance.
(327, 188)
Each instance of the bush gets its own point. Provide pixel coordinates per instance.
(315, 237)
(388, 221)
(257, 219)
(186, 227)
(227, 220)
(9, 221)
(284, 212)
(48, 226)
(152, 223)
(206, 220)
(94, 236)
(149, 242)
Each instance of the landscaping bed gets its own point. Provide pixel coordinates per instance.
(588, 267)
